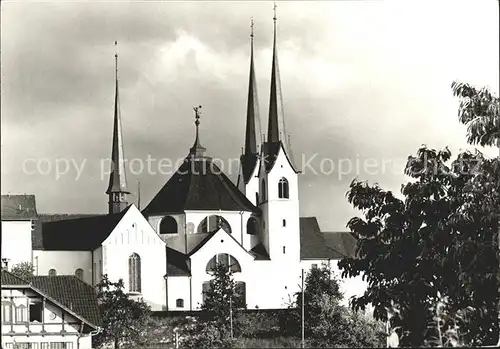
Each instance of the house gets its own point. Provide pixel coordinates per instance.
(44, 312)
(18, 218)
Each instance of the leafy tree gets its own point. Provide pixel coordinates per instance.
(429, 257)
(479, 111)
(222, 299)
(23, 270)
(124, 320)
(327, 322)
(221, 303)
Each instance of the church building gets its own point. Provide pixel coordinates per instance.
(199, 218)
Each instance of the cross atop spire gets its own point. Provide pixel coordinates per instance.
(197, 150)
(274, 8)
(251, 27)
(116, 60)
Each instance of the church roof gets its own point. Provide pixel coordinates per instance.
(329, 245)
(36, 234)
(198, 184)
(18, 207)
(68, 291)
(177, 263)
(75, 234)
(260, 253)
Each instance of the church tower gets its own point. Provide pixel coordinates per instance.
(278, 180)
(117, 188)
(248, 181)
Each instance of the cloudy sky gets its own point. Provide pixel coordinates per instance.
(364, 82)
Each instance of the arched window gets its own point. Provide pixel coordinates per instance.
(283, 188)
(21, 314)
(256, 199)
(79, 273)
(226, 260)
(263, 190)
(205, 289)
(52, 272)
(134, 273)
(214, 223)
(168, 225)
(252, 226)
(179, 303)
(240, 294)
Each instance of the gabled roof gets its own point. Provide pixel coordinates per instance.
(73, 293)
(270, 152)
(317, 245)
(18, 207)
(68, 292)
(198, 184)
(78, 234)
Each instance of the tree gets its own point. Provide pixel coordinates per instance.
(23, 270)
(124, 320)
(222, 299)
(327, 322)
(479, 111)
(433, 250)
(221, 302)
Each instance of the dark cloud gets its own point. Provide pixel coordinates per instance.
(360, 80)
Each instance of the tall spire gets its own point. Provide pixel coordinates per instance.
(197, 150)
(117, 188)
(276, 128)
(252, 133)
(276, 132)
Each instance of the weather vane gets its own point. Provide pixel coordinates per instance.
(251, 26)
(197, 113)
(274, 8)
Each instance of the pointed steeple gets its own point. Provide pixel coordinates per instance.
(252, 133)
(197, 150)
(117, 188)
(276, 128)
(276, 132)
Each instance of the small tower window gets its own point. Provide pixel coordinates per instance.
(284, 222)
(256, 199)
(284, 249)
(283, 188)
(52, 272)
(263, 190)
(179, 303)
